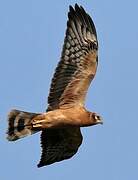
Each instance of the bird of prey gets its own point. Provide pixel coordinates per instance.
(60, 124)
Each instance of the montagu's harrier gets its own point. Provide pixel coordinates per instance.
(60, 125)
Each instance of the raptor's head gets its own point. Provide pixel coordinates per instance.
(96, 119)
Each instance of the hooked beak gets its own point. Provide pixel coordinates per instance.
(100, 121)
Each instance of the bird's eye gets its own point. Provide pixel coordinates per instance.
(96, 117)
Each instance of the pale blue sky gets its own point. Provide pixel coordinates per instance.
(31, 38)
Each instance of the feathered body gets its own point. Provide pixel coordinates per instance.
(60, 125)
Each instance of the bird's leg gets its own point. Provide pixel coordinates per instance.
(38, 121)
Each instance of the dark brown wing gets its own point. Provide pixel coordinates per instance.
(78, 63)
(69, 85)
(59, 144)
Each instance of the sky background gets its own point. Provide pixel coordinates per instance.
(31, 39)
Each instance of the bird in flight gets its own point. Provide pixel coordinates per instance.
(65, 114)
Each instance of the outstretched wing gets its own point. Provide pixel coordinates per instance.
(59, 144)
(78, 63)
(71, 80)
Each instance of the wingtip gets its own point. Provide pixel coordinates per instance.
(71, 11)
(71, 8)
(39, 165)
(76, 6)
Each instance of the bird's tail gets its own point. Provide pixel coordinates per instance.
(19, 124)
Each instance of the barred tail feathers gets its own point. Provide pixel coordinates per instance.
(19, 124)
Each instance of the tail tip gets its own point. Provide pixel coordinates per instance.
(19, 124)
(12, 137)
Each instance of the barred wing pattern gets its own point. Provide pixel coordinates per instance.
(71, 80)
(79, 45)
